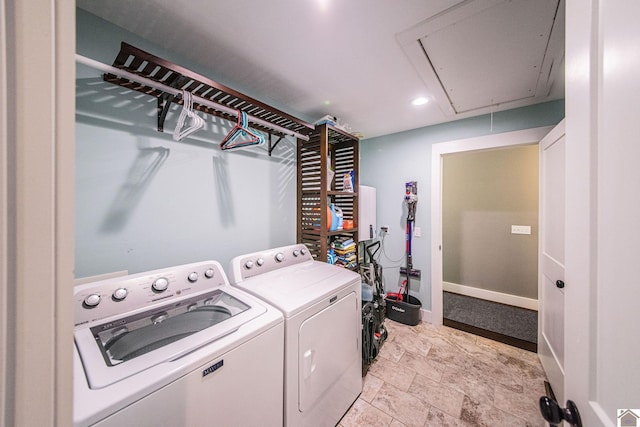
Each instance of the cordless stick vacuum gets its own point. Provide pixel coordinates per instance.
(411, 197)
(402, 307)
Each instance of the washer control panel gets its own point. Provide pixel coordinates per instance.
(251, 265)
(101, 299)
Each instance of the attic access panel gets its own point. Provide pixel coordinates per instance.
(488, 55)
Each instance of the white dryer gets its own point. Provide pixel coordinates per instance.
(323, 348)
(176, 347)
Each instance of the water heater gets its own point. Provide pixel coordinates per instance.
(366, 213)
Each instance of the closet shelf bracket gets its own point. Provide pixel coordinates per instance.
(272, 147)
(164, 102)
(166, 99)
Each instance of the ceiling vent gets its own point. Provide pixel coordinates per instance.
(481, 56)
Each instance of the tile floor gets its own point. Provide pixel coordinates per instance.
(439, 376)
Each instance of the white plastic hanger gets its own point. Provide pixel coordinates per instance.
(196, 123)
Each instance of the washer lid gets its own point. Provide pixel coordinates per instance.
(118, 347)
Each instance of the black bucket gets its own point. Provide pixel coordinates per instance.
(405, 312)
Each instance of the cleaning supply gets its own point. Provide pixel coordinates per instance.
(367, 292)
(339, 218)
(334, 218)
(402, 307)
(331, 255)
(398, 296)
(329, 218)
(348, 181)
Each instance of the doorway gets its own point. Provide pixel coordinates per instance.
(489, 142)
(490, 243)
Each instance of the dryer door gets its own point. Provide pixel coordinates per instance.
(329, 354)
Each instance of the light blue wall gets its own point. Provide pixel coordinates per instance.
(144, 201)
(388, 162)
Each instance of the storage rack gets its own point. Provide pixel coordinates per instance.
(143, 72)
(331, 147)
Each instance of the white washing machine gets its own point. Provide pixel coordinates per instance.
(323, 348)
(176, 347)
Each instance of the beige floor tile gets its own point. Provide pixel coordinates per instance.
(438, 418)
(434, 376)
(362, 414)
(483, 414)
(392, 373)
(437, 394)
(407, 409)
(532, 369)
(509, 350)
(370, 387)
(423, 366)
(522, 405)
(479, 387)
(392, 350)
(455, 357)
(410, 338)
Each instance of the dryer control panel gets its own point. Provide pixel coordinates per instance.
(250, 265)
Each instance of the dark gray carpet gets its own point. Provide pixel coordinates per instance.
(503, 319)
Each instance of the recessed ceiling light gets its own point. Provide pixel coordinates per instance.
(323, 5)
(421, 100)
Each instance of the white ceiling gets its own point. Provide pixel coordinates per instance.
(355, 59)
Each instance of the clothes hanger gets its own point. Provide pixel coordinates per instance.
(241, 129)
(196, 123)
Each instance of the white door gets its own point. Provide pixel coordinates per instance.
(551, 258)
(602, 254)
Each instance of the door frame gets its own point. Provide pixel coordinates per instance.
(37, 148)
(500, 140)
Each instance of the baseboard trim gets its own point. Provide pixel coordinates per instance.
(502, 298)
(427, 315)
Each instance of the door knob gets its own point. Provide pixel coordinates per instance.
(560, 283)
(554, 414)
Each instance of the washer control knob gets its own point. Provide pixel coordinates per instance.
(248, 265)
(160, 285)
(193, 277)
(119, 294)
(296, 253)
(209, 273)
(303, 251)
(92, 300)
(260, 262)
(279, 257)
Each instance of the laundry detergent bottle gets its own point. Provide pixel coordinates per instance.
(340, 217)
(334, 218)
